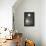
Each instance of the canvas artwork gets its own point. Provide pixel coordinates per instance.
(28, 18)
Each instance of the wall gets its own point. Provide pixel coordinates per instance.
(6, 13)
(43, 22)
(33, 33)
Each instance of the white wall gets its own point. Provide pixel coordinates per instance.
(43, 22)
(33, 33)
(6, 13)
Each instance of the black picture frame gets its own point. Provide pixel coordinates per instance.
(29, 18)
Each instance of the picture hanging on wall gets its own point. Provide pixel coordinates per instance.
(28, 18)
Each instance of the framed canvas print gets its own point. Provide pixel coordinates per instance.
(28, 18)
